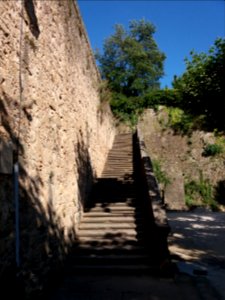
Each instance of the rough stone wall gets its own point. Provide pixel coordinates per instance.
(51, 114)
(181, 159)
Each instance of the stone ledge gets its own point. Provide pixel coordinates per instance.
(156, 220)
(159, 213)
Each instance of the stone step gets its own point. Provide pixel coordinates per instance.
(111, 220)
(117, 171)
(113, 206)
(119, 161)
(122, 204)
(126, 159)
(109, 259)
(118, 174)
(105, 232)
(106, 247)
(116, 188)
(125, 209)
(119, 164)
(110, 235)
(108, 225)
(114, 220)
(115, 239)
(114, 196)
(137, 269)
(111, 214)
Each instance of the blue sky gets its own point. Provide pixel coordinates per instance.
(180, 25)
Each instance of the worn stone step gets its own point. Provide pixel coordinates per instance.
(107, 232)
(130, 247)
(131, 222)
(107, 225)
(118, 190)
(113, 196)
(118, 241)
(111, 234)
(106, 247)
(125, 209)
(137, 269)
(118, 174)
(115, 239)
(112, 259)
(113, 206)
(114, 214)
(111, 220)
(120, 161)
(127, 201)
(120, 164)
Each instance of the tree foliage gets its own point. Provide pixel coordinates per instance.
(131, 61)
(201, 87)
(167, 97)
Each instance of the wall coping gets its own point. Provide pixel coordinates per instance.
(158, 209)
(77, 9)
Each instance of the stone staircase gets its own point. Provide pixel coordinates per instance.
(111, 236)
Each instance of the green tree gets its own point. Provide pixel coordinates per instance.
(131, 61)
(202, 85)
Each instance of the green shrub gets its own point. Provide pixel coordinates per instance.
(126, 109)
(104, 92)
(160, 175)
(168, 97)
(200, 193)
(179, 121)
(212, 150)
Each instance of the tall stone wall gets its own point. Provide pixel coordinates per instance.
(53, 121)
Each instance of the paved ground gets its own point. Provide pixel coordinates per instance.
(128, 288)
(197, 244)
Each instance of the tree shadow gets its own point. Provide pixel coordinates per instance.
(44, 240)
(197, 237)
(33, 21)
(85, 173)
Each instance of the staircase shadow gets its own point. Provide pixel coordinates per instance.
(111, 190)
(115, 231)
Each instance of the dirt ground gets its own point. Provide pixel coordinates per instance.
(197, 245)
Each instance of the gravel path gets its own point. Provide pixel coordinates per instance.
(197, 245)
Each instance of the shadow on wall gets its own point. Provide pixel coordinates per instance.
(33, 21)
(43, 242)
(85, 174)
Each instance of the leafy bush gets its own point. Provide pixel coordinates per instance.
(212, 150)
(200, 193)
(160, 175)
(126, 109)
(168, 97)
(104, 92)
(179, 121)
